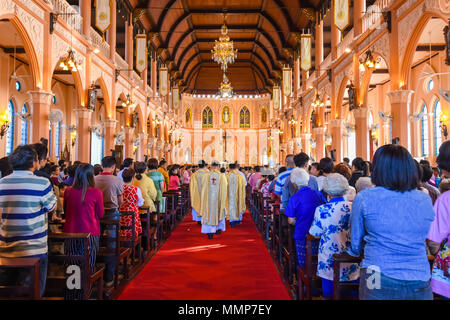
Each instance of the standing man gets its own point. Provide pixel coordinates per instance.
(238, 168)
(163, 169)
(236, 195)
(253, 181)
(112, 189)
(25, 200)
(195, 190)
(282, 178)
(214, 201)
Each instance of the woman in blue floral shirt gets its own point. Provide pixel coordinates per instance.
(332, 224)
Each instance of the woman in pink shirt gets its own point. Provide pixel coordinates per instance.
(83, 208)
(187, 175)
(174, 180)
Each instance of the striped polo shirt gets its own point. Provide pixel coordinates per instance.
(281, 180)
(25, 200)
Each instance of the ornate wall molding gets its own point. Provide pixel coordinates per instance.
(406, 27)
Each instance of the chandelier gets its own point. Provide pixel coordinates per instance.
(4, 122)
(128, 102)
(225, 89)
(70, 63)
(369, 62)
(156, 121)
(293, 122)
(224, 52)
(317, 102)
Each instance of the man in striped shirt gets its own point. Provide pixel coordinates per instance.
(25, 200)
(281, 179)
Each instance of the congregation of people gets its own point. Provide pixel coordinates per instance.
(392, 212)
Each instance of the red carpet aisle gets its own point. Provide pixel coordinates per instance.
(234, 265)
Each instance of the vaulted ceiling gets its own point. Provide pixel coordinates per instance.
(264, 32)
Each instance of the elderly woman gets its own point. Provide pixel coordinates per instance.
(363, 183)
(392, 219)
(300, 210)
(332, 224)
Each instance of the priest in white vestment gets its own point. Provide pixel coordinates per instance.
(195, 190)
(236, 195)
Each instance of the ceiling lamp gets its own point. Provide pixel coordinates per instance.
(128, 102)
(69, 63)
(369, 62)
(225, 89)
(224, 52)
(293, 122)
(317, 102)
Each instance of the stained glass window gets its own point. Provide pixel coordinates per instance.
(10, 131)
(18, 86)
(437, 127)
(244, 118)
(207, 118)
(24, 129)
(424, 131)
(58, 139)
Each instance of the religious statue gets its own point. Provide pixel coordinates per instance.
(188, 115)
(351, 97)
(134, 120)
(226, 115)
(92, 98)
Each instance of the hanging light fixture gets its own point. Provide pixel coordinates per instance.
(70, 63)
(317, 101)
(224, 52)
(128, 102)
(4, 122)
(293, 122)
(225, 89)
(369, 62)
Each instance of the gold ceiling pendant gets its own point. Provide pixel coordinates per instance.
(225, 89)
(224, 52)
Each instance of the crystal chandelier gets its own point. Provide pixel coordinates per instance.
(369, 62)
(224, 52)
(317, 102)
(225, 89)
(69, 63)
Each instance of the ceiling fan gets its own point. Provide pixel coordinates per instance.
(14, 75)
(384, 116)
(431, 74)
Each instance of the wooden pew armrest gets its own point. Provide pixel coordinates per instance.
(346, 258)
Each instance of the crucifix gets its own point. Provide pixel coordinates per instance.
(224, 136)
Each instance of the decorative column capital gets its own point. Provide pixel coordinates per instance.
(319, 130)
(110, 123)
(336, 123)
(83, 113)
(305, 135)
(128, 130)
(143, 135)
(400, 96)
(40, 96)
(361, 112)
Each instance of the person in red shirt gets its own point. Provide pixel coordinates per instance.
(83, 208)
(174, 179)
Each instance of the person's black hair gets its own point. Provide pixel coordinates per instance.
(326, 165)
(369, 167)
(271, 177)
(394, 168)
(152, 164)
(128, 162)
(71, 170)
(443, 159)
(84, 178)
(61, 163)
(360, 165)
(419, 171)
(257, 169)
(425, 162)
(346, 160)
(5, 167)
(77, 163)
(41, 150)
(281, 170)
(201, 164)
(128, 174)
(108, 162)
(172, 169)
(162, 162)
(438, 170)
(23, 157)
(47, 168)
(53, 168)
(232, 166)
(301, 159)
(97, 169)
(140, 168)
(223, 170)
(427, 172)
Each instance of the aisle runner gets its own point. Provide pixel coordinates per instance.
(234, 265)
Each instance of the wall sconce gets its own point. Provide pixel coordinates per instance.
(73, 137)
(4, 122)
(443, 124)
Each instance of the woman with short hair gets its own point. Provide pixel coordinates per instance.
(158, 180)
(146, 185)
(392, 219)
(331, 224)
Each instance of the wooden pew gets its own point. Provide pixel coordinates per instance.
(12, 291)
(133, 242)
(58, 263)
(339, 286)
(117, 254)
(307, 278)
(170, 213)
(289, 256)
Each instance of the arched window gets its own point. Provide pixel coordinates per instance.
(244, 118)
(58, 140)
(24, 127)
(424, 131)
(96, 148)
(207, 118)
(264, 115)
(10, 131)
(437, 129)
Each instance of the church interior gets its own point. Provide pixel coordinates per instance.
(186, 82)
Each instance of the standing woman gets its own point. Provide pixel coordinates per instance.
(393, 220)
(359, 169)
(158, 180)
(132, 200)
(174, 179)
(83, 208)
(146, 185)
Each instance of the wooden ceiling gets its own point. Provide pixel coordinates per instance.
(264, 32)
